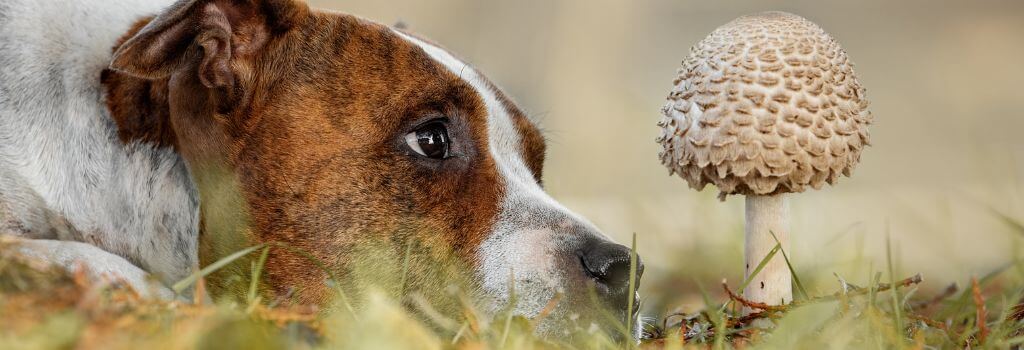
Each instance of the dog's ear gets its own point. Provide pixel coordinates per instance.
(209, 34)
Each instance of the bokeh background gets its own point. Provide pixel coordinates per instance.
(944, 78)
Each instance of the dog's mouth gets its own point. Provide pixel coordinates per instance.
(636, 304)
(633, 331)
(637, 325)
(630, 325)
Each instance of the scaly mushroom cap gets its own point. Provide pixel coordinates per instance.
(766, 104)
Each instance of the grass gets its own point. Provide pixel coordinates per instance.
(42, 308)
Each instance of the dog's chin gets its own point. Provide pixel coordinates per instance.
(637, 328)
(580, 321)
(571, 334)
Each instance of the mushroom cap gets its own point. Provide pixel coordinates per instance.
(766, 104)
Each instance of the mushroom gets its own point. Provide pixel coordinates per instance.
(766, 105)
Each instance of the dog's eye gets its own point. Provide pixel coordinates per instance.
(430, 140)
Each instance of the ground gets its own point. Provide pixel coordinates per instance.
(44, 308)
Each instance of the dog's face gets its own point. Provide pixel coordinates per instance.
(339, 133)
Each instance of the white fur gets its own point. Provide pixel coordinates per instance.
(532, 246)
(63, 172)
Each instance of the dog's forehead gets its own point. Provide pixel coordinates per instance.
(504, 135)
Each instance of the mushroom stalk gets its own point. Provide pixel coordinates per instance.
(767, 215)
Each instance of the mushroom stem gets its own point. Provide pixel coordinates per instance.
(767, 215)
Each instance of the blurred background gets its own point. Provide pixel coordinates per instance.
(945, 82)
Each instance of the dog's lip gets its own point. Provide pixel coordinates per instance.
(637, 326)
(636, 303)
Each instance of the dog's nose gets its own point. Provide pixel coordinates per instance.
(609, 264)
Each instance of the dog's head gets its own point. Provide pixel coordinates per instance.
(331, 132)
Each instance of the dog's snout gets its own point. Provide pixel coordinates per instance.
(609, 265)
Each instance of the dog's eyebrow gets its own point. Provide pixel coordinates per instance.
(505, 135)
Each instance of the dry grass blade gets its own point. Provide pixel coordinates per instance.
(550, 307)
(946, 294)
(200, 291)
(930, 322)
(748, 319)
(1017, 311)
(981, 311)
(757, 270)
(879, 287)
(749, 303)
(1013, 223)
(964, 300)
(770, 311)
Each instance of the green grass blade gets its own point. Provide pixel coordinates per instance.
(792, 272)
(632, 284)
(760, 266)
(708, 304)
(613, 320)
(897, 308)
(323, 267)
(873, 289)
(219, 264)
(505, 330)
(405, 266)
(319, 264)
(757, 270)
(1015, 341)
(965, 296)
(257, 272)
(716, 317)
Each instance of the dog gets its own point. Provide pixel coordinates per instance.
(150, 137)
